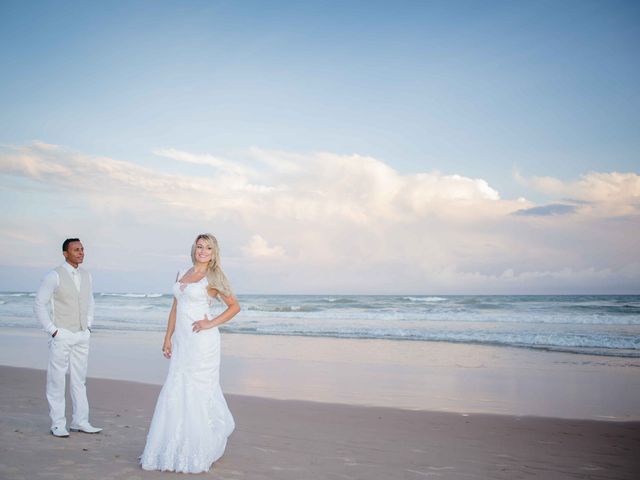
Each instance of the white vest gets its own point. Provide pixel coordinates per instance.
(70, 306)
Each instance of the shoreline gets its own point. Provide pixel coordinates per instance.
(293, 439)
(406, 375)
(588, 351)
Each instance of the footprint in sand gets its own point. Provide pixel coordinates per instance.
(425, 474)
(235, 472)
(265, 450)
(4, 469)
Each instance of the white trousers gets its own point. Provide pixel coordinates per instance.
(68, 350)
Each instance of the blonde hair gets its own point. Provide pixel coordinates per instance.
(216, 278)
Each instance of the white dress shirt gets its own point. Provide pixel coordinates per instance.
(44, 297)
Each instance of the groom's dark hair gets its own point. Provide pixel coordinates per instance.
(65, 244)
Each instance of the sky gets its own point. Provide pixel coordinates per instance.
(405, 147)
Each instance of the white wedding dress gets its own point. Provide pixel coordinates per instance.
(191, 422)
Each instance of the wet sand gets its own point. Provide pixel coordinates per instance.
(430, 376)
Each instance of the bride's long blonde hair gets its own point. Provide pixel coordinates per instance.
(216, 278)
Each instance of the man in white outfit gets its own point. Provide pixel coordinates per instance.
(64, 305)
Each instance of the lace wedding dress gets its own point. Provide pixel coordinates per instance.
(191, 422)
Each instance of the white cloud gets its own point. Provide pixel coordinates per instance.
(204, 159)
(597, 193)
(258, 247)
(334, 222)
(597, 187)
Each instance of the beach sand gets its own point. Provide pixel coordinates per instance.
(319, 408)
(289, 439)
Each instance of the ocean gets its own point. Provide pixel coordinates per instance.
(591, 324)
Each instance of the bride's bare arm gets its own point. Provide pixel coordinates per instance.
(233, 307)
(171, 326)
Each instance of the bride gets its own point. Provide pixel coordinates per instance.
(191, 422)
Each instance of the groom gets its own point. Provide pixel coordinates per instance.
(64, 306)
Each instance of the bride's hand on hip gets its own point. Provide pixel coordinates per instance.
(166, 348)
(203, 324)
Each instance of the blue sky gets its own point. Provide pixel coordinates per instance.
(511, 93)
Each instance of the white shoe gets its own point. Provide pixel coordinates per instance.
(60, 432)
(85, 428)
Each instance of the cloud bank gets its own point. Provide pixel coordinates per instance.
(324, 222)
